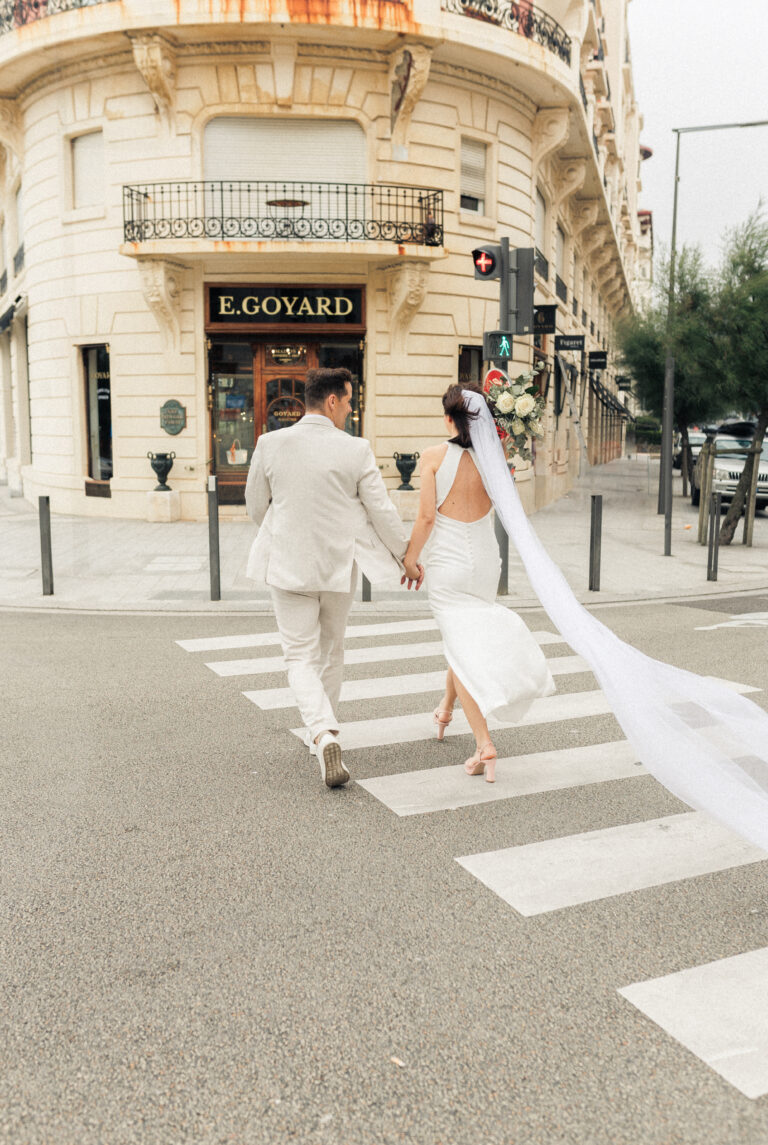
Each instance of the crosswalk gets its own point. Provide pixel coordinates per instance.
(554, 874)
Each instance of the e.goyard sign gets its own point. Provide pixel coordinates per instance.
(285, 305)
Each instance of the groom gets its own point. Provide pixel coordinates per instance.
(323, 509)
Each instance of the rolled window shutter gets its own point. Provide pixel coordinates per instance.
(473, 158)
(300, 150)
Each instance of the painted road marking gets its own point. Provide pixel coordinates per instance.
(447, 788)
(556, 873)
(718, 1011)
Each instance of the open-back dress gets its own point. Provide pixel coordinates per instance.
(486, 645)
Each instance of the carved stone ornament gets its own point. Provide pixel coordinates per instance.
(408, 75)
(284, 68)
(550, 131)
(10, 128)
(569, 178)
(161, 283)
(584, 214)
(406, 291)
(594, 238)
(156, 60)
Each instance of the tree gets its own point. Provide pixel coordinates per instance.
(643, 338)
(742, 334)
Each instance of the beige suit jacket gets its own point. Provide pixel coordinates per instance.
(321, 504)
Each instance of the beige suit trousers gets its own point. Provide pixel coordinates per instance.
(311, 627)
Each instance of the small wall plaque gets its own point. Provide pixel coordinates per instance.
(173, 416)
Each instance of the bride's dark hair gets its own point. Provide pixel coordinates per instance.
(453, 406)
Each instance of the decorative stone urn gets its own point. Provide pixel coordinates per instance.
(162, 463)
(406, 463)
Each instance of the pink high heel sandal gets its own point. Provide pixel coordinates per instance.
(441, 723)
(483, 762)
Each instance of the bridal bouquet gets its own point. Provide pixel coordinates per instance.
(516, 408)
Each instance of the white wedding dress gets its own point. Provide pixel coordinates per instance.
(487, 646)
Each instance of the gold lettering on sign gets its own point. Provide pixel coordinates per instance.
(274, 307)
(225, 304)
(323, 306)
(347, 303)
(250, 304)
(305, 307)
(289, 304)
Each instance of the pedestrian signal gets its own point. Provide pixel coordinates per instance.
(497, 345)
(488, 262)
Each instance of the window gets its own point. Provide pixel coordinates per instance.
(472, 186)
(98, 404)
(285, 150)
(541, 222)
(18, 258)
(470, 364)
(87, 156)
(560, 251)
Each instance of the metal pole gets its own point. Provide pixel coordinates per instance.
(214, 560)
(503, 540)
(46, 555)
(504, 323)
(595, 542)
(749, 508)
(667, 431)
(366, 590)
(714, 535)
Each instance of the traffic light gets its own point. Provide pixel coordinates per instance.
(489, 262)
(521, 290)
(497, 345)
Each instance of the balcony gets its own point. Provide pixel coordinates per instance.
(252, 212)
(17, 13)
(524, 19)
(541, 266)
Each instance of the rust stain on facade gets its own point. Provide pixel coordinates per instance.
(365, 13)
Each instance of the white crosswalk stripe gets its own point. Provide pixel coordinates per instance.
(540, 877)
(410, 684)
(707, 1008)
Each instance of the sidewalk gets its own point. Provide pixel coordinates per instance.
(137, 566)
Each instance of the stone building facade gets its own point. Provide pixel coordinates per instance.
(198, 201)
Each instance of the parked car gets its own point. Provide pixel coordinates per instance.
(696, 439)
(729, 468)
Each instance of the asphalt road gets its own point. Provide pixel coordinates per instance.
(201, 943)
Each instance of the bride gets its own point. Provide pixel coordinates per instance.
(495, 667)
(703, 741)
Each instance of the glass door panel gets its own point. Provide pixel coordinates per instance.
(284, 403)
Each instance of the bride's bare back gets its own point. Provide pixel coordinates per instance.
(467, 500)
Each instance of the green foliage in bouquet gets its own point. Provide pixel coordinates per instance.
(517, 409)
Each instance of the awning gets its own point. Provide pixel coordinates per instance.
(607, 398)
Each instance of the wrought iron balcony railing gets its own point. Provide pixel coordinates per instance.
(561, 290)
(540, 265)
(524, 18)
(16, 13)
(267, 210)
(583, 92)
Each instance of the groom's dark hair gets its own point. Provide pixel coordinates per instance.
(321, 383)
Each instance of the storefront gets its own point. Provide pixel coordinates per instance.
(261, 340)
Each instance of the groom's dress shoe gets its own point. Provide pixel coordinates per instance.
(332, 769)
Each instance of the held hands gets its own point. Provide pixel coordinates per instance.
(414, 574)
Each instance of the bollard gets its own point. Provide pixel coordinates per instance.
(503, 539)
(46, 555)
(714, 535)
(214, 561)
(366, 590)
(595, 542)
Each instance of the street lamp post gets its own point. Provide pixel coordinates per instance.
(667, 424)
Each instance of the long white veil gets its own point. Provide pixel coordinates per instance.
(705, 743)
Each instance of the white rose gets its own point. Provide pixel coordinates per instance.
(505, 402)
(525, 405)
(517, 427)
